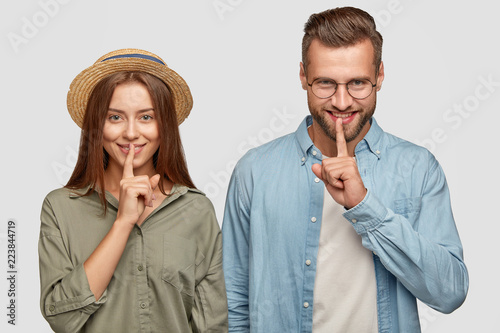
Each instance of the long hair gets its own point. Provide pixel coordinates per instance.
(339, 27)
(169, 160)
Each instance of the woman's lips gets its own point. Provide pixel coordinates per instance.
(126, 147)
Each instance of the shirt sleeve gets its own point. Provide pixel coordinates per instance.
(235, 236)
(424, 254)
(66, 300)
(210, 304)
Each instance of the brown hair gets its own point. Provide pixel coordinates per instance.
(169, 160)
(343, 26)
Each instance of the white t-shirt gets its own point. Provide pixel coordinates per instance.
(345, 291)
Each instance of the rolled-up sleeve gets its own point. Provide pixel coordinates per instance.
(66, 300)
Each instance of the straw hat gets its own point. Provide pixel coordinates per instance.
(127, 60)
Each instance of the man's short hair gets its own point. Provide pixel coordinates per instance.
(341, 27)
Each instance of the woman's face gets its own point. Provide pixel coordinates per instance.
(131, 119)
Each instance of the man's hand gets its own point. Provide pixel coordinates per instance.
(340, 174)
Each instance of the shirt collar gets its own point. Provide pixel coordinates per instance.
(303, 139)
(176, 191)
(372, 140)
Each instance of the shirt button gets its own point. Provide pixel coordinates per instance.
(313, 219)
(52, 308)
(308, 262)
(377, 152)
(354, 220)
(140, 268)
(138, 232)
(316, 180)
(303, 159)
(314, 153)
(306, 305)
(143, 305)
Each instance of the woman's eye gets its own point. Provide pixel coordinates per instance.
(114, 117)
(147, 117)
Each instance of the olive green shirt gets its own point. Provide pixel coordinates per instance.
(169, 278)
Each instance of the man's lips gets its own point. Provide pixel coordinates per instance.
(346, 117)
(341, 115)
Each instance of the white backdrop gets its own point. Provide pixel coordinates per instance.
(241, 60)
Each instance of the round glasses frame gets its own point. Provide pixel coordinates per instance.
(336, 85)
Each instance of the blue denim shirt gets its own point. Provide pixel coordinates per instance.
(272, 223)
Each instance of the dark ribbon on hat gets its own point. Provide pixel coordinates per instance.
(136, 55)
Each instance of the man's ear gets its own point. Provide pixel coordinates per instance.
(381, 75)
(302, 75)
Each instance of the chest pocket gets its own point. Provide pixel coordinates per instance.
(180, 259)
(409, 207)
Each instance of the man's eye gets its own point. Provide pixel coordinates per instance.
(325, 83)
(357, 83)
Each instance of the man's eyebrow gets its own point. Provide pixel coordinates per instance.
(360, 77)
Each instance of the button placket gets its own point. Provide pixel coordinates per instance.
(141, 276)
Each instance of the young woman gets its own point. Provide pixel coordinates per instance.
(129, 244)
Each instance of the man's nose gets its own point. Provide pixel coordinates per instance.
(342, 100)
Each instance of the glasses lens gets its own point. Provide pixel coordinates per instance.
(324, 88)
(359, 88)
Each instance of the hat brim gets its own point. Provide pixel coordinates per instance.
(84, 83)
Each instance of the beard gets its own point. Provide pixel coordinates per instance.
(352, 130)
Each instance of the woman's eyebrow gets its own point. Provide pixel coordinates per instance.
(121, 111)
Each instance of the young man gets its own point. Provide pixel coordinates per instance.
(339, 227)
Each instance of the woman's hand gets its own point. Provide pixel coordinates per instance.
(136, 192)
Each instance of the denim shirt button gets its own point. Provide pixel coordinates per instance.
(306, 305)
(316, 180)
(314, 152)
(303, 159)
(308, 262)
(313, 219)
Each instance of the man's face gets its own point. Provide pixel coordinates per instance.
(342, 65)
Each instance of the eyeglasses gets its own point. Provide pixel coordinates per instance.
(357, 88)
